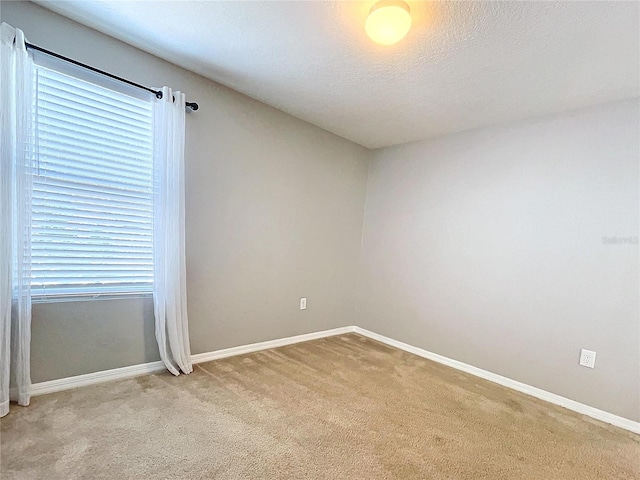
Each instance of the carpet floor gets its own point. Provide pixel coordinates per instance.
(344, 407)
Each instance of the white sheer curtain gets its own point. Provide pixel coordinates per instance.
(17, 156)
(169, 264)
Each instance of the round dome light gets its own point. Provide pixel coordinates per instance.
(388, 22)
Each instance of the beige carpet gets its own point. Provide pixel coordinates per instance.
(339, 408)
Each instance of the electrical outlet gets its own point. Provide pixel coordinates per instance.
(587, 358)
(303, 303)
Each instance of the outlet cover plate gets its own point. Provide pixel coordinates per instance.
(587, 358)
(303, 303)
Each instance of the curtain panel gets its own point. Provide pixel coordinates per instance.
(17, 160)
(169, 262)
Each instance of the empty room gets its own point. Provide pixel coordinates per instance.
(320, 240)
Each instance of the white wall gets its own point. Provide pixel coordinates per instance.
(274, 213)
(487, 247)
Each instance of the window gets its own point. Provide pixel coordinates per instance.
(92, 205)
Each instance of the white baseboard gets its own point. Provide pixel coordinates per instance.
(67, 383)
(256, 347)
(146, 368)
(507, 382)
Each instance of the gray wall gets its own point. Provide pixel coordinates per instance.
(274, 213)
(487, 247)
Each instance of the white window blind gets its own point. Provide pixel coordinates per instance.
(92, 193)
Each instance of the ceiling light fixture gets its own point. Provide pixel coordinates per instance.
(388, 22)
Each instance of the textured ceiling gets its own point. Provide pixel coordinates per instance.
(463, 65)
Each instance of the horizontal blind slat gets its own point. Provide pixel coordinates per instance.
(113, 259)
(105, 144)
(50, 197)
(63, 229)
(90, 127)
(74, 152)
(93, 277)
(142, 196)
(93, 178)
(87, 210)
(82, 107)
(102, 99)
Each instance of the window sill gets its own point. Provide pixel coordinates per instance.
(87, 297)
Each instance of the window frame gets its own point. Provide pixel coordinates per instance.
(94, 291)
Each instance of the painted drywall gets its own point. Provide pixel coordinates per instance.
(510, 249)
(274, 213)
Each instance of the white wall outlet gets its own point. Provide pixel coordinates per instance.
(587, 358)
(303, 303)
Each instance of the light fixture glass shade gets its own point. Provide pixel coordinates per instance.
(388, 22)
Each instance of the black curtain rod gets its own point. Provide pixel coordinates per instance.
(157, 93)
